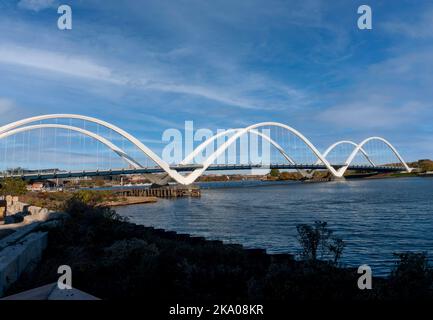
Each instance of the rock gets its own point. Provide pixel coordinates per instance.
(20, 257)
(29, 219)
(34, 210)
(9, 200)
(2, 210)
(42, 215)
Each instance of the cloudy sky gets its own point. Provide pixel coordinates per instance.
(150, 65)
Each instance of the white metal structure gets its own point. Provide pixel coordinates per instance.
(23, 125)
(333, 146)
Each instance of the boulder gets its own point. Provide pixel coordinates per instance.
(2, 210)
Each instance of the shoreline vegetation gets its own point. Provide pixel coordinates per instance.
(112, 258)
(56, 200)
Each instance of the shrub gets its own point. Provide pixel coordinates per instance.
(91, 197)
(425, 165)
(13, 186)
(274, 173)
(79, 208)
(318, 238)
(412, 276)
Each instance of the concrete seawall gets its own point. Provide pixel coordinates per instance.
(22, 242)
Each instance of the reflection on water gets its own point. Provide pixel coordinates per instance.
(374, 217)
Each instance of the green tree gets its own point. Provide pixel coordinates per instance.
(91, 197)
(13, 187)
(274, 172)
(425, 165)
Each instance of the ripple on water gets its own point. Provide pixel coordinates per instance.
(374, 217)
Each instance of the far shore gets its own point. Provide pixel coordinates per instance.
(129, 201)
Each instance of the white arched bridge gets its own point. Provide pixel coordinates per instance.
(76, 145)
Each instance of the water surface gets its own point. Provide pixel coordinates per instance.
(374, 217)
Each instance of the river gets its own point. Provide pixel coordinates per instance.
(374, 217)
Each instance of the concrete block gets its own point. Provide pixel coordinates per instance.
(70, 294)
(15, 208)
(29, 219)
(19, 234)
(8, 271)
(20, 206)
(51, 292)
(34, 210)
(9, 200)
(2, 210)
(20, 257)
(43, 214)
(34, 245)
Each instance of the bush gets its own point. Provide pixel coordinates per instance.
(274, 173)
(318, 238)
(13, 186)
(91, 197)
(412, 276)
(425, 165)
(79, 208)
(50, 200)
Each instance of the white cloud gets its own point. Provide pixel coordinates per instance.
(55, 62)
(8, 110)
(6, 105)
(390, 94)
(35, 5)
(372, 114)
(205, 92)
(235, 92)
(418, 28)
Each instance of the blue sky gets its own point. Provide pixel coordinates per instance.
(150, 65)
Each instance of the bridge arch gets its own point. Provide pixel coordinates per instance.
(196, 173)
(122, 154)
(204, 144)
(143, 148)
(334, 145)
(337, 173)
(365, 141)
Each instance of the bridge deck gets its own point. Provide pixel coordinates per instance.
(189, 168)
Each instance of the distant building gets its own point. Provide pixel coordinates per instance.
(41, 185)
